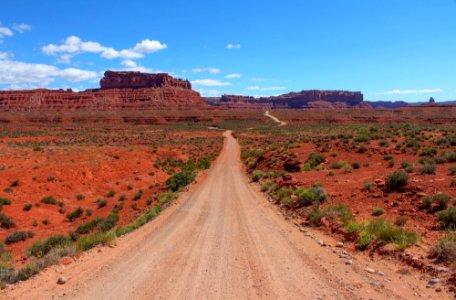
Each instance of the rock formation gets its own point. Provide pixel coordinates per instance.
(303, 99)
(119, 90)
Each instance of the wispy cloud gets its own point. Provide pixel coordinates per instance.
(210, 82)
(257, 79)
(5, 55)
(408, 92)
(270, 88)
(234, 75)
(210, 70)
(233, 46)
(22, 27)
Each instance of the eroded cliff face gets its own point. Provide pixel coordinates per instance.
(303, 99)
(119, 90)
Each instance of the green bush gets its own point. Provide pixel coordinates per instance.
(6, 222)
(180, 180)
(101, 203)
(448, 218)
(445, 249)
(452, 170)
(87, 227)
(428, 168)
(108, 223)
(27, 207)
(382, 231)
(441, 200)
(89, 241)
(314, 160)
(71, 216)
(257, 175)
(49, 200)
(18, 236)
(378, 211)
(396, 180)
(41, 247)
(340, 212)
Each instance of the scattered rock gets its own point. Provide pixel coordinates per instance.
(375, 283)
(340, 245)
(434, 281)
(61, 280)
(369, 270)
(66, 260)
(349, 262)
(322, 243)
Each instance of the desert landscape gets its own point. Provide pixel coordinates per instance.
(238, 150)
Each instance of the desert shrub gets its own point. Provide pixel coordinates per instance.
(378, 211)
(18, 236)
(337, 164)
(445, 249)
(396, 180)
(110, 194)
(368, 186)
(356, 165)
(49, 200)
(448, 217)
(152, 213)
(314, 217)
(80, 197)
(304, 197)
(6, 222)
(27, 207)
(87, 227)
(4, 201)
(138, 195)
(89, 241)
(71, 216)
(452, 170)
(108, 223)
(449, 156)
(167, 197)
(257, 175)
(400, 221)
(388, 157)
(41, 247)
(101, 203)
(428, 168)
(45, 221)
(180, 180)
(382, 231)
(314, 160)
(341, 212)
(428, 152)
(122, 198)
(384, 143)
(441, 200)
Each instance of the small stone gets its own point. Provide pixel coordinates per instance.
(349, 262)
(375, 282)
(380, 273)
(434, 281)
(61, 280)
(322, 243)
(369, 270)
(66, 260)
(340, 245)
(438, 290)
(442, 269)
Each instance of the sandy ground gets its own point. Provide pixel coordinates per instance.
(221, 240)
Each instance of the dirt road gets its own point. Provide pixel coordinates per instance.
(220, 240)
(275, 119)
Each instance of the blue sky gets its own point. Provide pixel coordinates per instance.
(392, 50)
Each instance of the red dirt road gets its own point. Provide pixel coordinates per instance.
(220, 240)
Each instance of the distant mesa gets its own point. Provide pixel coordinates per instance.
(309, 99)
(119, 91)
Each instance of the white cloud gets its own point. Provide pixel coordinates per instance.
(22, 27)
(129, 63)
(5, 31)
(234, 75)
(271, 88)
(210, 82)
(210, 70)
(408, 92)
(73, 45)
(5, 55)
(65, 59)
(256, 79)
(16, 72)
(233, 46)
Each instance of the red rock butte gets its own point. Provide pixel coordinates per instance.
(119, 90)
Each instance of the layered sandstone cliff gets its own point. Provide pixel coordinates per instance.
(303, 99)
(119, 90)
